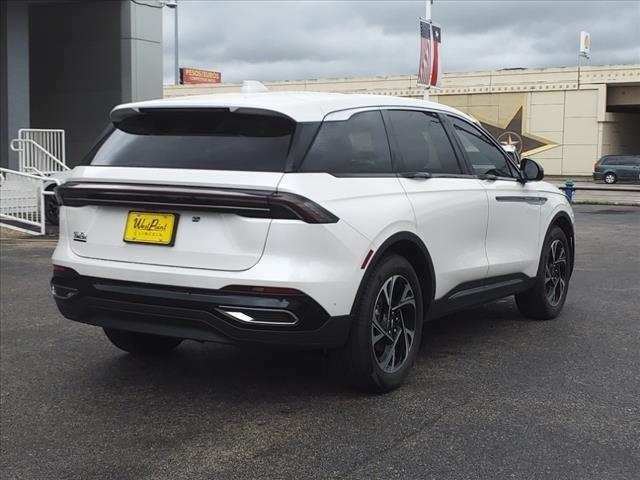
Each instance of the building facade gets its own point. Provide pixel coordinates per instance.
(66, 64)
(564, 118)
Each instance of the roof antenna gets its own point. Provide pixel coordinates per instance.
(253, 86)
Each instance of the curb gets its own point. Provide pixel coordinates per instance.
(605, 202)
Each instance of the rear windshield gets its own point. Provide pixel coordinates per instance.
(209, 140)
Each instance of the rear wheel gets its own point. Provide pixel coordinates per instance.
(546, 298)
(141, 343)
(386, 330)
(610, 178)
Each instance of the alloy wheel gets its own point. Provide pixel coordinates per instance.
(609, 178)
(555, 273)
(394, 323)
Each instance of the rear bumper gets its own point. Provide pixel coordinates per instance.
(598, 175)
(198, 314)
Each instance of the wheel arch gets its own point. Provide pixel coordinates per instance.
(411, 247)
(563, 221)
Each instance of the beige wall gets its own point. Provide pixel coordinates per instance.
(568, 114)
(567, 121)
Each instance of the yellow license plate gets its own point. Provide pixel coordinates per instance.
(154, 228)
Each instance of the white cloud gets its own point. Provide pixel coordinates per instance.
(296, 40)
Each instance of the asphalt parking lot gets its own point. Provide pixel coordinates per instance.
(491, 396)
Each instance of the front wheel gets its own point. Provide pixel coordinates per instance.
(387, 327)
(141, 343)
(546, 298)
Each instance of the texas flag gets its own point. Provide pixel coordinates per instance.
(429, 70)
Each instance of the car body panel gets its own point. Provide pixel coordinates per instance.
(209, 240)
(451, 215)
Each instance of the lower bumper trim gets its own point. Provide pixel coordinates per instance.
(202, 315)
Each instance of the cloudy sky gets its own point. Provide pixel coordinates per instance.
(312, 39)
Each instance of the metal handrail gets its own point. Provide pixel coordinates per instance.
(53, 137)
(30, 175)
(22, 213)
(39, 147)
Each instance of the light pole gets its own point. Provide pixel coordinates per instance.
(427, 17)
(173, 4)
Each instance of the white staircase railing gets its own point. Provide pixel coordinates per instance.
(22, 201)
(41, 154)
(40, 151)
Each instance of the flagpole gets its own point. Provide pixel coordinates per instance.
(427, 17)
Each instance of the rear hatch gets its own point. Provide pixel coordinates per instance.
(179, 188)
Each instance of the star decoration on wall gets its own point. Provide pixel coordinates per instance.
(512, 133)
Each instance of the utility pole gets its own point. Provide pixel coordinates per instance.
(427, 17)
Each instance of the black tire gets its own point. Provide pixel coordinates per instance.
(610, 178)
(141, 343)
(546, 298)
(51, 210)
(361, 358)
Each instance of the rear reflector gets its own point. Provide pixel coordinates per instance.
(366, 260)
(60, 268)
(261, 290)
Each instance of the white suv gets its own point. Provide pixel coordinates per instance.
(312, 220)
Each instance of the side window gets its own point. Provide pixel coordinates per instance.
(357, 145)
(484, 157)
(423, 142)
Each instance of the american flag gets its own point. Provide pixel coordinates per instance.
(429, 71)
(424, 69)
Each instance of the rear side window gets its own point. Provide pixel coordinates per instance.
(208, 140)
(484, 157)
(423, 142)
(358, 146)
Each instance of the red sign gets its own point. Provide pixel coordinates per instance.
(193, 75)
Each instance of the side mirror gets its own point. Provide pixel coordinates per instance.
(531, 170)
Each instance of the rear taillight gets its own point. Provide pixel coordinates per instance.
(244, 202)
(596, 165)
(301, 207)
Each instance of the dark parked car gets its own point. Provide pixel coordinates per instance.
(612, 168)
